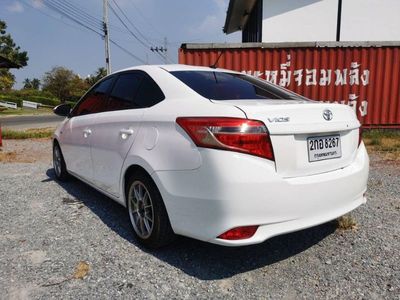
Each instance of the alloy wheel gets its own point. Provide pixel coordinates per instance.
(141, 210)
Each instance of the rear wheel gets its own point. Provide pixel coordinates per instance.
(60, 169)
(147, 212)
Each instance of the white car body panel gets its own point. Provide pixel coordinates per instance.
(206, 191)
(244, 190)
(112, 136)
(76, 145)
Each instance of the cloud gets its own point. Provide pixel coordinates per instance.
(15, 7)
(37, 3)
(214, 21)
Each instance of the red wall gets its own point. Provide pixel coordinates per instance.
(367, 78)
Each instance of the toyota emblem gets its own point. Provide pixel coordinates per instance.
(327, 114)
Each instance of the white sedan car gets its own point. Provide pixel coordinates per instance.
(212, 154)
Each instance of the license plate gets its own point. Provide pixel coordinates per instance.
(323, 147)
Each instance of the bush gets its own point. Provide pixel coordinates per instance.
(29, 95)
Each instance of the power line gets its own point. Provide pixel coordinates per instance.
(80, 12)
(64, 9)
(50, 5)
(75, 19)
(145, 18)
(50, 16)
(130, 22)
(148, 46)
(127, 28)
(128, 52)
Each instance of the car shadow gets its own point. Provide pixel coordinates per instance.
(199, 259)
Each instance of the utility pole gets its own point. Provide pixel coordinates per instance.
(163, 50)
(166, 50)
(106, 36)
(339, 21)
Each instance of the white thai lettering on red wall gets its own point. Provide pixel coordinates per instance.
(290, 77)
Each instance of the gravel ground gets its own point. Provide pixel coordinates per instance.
(48, 228)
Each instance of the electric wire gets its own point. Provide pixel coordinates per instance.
(62, 8)
(130, 22)
(146, 46)
(147, 20)
(127, 28)
(73, 17)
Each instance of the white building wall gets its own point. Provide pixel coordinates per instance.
(299, 20)
(316, 20)
(370, 20)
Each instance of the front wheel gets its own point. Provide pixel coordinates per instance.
(147, 212)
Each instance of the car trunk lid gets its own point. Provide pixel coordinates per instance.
(296, 124)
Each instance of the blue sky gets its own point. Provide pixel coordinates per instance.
(53, 40)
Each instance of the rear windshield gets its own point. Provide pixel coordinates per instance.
(228, 86)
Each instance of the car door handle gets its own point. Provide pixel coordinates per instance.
(86, 133)
(125, 133)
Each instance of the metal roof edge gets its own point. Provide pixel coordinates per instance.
(346, 44)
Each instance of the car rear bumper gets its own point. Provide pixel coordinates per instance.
(232, 189)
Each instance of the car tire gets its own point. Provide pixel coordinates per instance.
(147, 212)
(60, 168)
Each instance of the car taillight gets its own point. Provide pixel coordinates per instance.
(233, 134)
(239, 233)
(359, 135)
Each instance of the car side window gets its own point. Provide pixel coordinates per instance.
(149, 93)
(124, 91)
(95, 100)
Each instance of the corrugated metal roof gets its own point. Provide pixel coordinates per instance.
(290, 45)
(238, 14)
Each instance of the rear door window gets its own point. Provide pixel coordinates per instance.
(231, 86)
(124, 92)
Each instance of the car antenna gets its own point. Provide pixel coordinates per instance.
(214, 65)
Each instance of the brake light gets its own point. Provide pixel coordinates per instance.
(360, 135)
(239, 233)
(232, 134)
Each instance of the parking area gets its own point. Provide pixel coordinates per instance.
(48, 230)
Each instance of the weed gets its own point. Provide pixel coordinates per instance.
(27, 134)
(346, 222)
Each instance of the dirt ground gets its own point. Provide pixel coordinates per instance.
(64, 240)
(26, 151)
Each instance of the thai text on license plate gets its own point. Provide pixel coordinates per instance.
(323, 147)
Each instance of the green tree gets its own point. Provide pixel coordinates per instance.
(33, 84)
(99, 74)
(13, 52)
(64, 84)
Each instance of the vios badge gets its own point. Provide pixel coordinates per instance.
(327, 114)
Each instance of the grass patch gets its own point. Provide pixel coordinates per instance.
(386, 141)
(27, 134)
(25, 111)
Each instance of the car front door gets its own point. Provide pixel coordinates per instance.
(76, 135)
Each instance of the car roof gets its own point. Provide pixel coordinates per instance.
(175, 67)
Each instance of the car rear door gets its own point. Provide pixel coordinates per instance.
(75, 138)
(115, 131)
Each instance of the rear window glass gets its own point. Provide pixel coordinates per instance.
(228, 86)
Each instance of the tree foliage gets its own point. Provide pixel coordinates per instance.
(13, 52)
(33, 84)
(99, 74)
(7, 79)
(64, 84)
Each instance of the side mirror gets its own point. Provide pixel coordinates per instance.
(62, 110)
